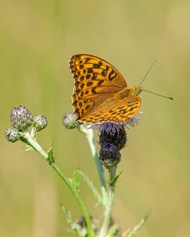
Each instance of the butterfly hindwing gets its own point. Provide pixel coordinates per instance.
(114, 111)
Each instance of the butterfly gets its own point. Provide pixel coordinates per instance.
(100, 92)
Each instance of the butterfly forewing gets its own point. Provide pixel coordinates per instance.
(94, 75)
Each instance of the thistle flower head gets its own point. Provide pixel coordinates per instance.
(21, 118)
(112, 138)
(109, 155)
(110, 127)
(69, 121)
(113, 133)
(40, 122)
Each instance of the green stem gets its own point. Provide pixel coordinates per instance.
(27, 138)
(90, 138)
(112, 172)
(109, 204)
(108, 210)
(77, 197)
(107, 215)
(31, 141)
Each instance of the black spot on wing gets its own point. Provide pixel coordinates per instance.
(112, 75)
(97, 65)
(89, 83)
(90, 70)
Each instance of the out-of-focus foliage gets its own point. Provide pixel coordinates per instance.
(36, 40)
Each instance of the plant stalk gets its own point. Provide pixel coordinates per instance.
(31, 141)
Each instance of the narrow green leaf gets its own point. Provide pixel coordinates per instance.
(50, 156)
(75, 180)
(115, 179)
(91, 186)
(68, 217)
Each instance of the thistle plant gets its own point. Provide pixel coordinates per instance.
(112, 138)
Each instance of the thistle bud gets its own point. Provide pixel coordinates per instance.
(69, 121)
(21, 118)
(12, 134)
(40, 122)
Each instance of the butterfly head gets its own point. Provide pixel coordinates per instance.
(136, 90)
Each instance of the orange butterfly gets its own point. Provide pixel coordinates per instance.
(101, 93)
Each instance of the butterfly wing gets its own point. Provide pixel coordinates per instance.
(117, 111)
(95, 81)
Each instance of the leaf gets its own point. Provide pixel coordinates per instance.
(68, 217)
(75, 180)
(50, 156)
(91, 186)
(114, 180)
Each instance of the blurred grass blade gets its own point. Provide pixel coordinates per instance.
(69, 218)
(135, 230)
(74, 226)
(112, 231)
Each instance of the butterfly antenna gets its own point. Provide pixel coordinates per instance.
(148, 72)
(171, 98)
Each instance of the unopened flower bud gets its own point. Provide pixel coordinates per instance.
(69, 121)
(21, 118)
(12, 134)
(40, 122)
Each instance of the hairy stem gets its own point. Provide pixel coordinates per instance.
(91, 141)
(107, 215)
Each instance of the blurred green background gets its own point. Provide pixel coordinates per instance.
(37, 39)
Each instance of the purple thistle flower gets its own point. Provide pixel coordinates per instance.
(109, 155)
(112, 138)
(112, 133)
(114, 126)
